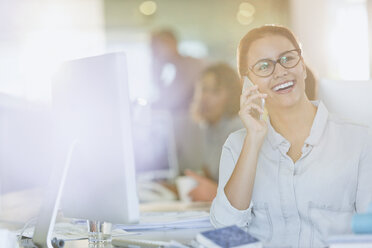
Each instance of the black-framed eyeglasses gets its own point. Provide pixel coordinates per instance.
(266, 67)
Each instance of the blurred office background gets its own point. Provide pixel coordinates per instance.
(36, 36)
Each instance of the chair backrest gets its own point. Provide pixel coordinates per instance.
(349, 99)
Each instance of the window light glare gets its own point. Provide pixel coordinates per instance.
(142, 101)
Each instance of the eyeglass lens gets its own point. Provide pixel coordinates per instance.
(266, 67)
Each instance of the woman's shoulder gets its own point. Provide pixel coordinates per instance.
(347, 126)
(352, 133)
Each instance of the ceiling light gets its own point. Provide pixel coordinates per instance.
(148, 8)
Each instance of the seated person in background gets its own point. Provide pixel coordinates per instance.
(215, 107)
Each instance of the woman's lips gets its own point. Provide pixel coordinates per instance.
(284, 87)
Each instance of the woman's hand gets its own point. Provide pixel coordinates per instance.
(239, 187)
(206, 189)
(256, 128)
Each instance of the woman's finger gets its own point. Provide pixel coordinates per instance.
(254, 93)
(250, 106)
(254, 97)
(250, 90)
(249, 93)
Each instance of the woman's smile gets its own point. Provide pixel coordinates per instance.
(284, 87)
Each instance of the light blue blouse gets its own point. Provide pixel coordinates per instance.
(301, 204)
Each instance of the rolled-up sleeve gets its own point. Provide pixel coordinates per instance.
(364, 190)
(222, 213)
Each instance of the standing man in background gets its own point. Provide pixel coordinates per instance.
(175, 76)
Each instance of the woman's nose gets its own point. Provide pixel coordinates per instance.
(279, 71)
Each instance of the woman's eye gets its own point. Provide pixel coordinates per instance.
(286, 59)
(263, 67)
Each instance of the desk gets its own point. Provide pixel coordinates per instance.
(12, 220)
(183, 236)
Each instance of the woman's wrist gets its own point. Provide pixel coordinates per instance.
(252, 144)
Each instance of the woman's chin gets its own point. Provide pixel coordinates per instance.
(288, 101)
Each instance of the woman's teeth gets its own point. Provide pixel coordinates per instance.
(283, 86)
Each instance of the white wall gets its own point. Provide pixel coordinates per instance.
(37, 35)
(308, 22)
(334, 34)
(369, 10)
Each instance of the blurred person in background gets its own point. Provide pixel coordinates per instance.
(174, 76)
(215, 107)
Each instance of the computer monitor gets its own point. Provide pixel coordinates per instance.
(154, 144)
(93, 150)
(348, 99)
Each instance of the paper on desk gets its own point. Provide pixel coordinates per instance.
(70, 231)
(7, 239)
(170, 220)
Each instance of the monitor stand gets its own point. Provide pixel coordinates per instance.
(42, 237)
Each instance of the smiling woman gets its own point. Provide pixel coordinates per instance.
(273, 174)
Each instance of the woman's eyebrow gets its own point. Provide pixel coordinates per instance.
(269, 59)
(266, 59)
(280, 55)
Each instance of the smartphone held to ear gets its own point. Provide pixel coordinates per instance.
(261, 102)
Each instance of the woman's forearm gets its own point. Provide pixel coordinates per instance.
(239, 188)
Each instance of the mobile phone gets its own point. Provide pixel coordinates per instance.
(248, 83)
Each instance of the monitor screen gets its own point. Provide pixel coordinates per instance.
(92, 121)
(154, 144)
